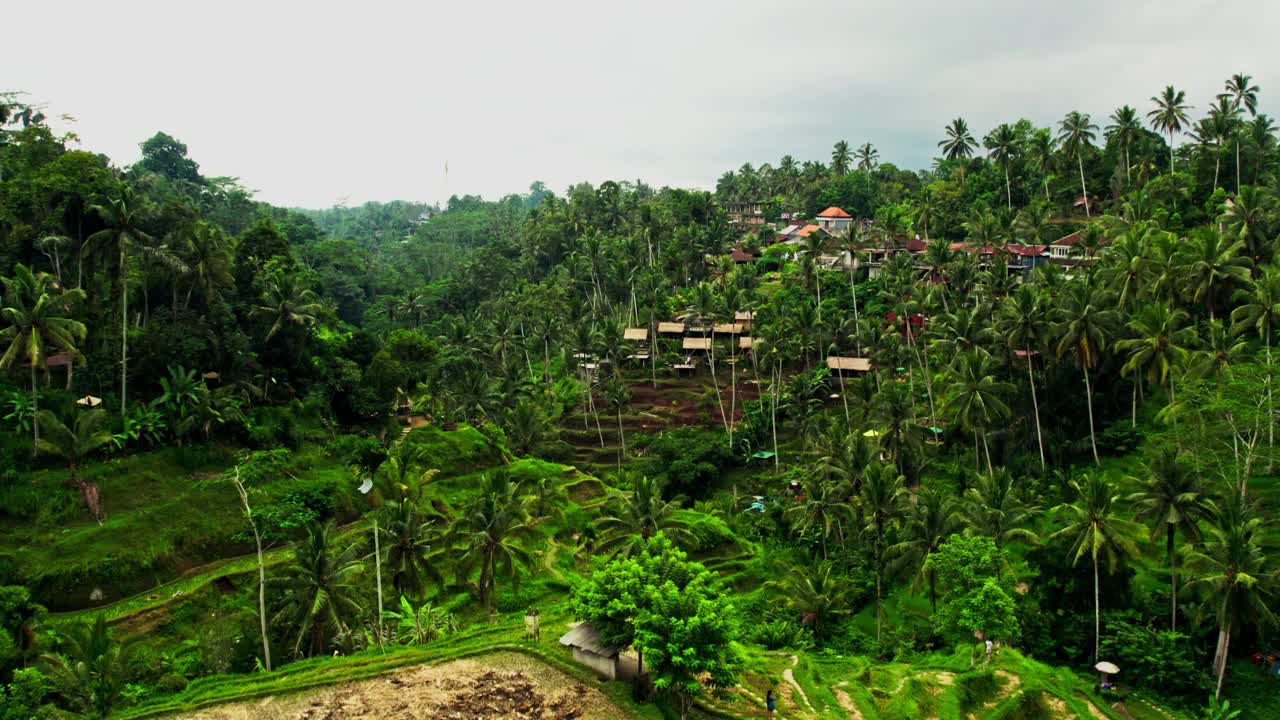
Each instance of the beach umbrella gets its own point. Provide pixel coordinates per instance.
(1106, 667)
(872, 433)
(366, 486)
(89, 401)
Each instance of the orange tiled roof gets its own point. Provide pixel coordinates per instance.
(834, 212)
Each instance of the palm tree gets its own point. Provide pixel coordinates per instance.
(1041, 152)
(1076, 134)
(881, 502)
(818, 594)
(490, 533)
(92, 666)
(638, 515)
(1237, 575)
(1245, 220)
(286, 303)
(208, 261)
(1158, 344)
(992, 508)
(1169, 115)
(824, 510)
(1221, 124)
(1022, 323)
(1259, 307)
(617, 396)
(36, 322)
(1212, 261)
(407, 535)
(1173, 499)
(1125, 129)
(974, 398)
(930, 520)
(959, 144)
(1093, 528)
(123, 216)
(1243, 95)
(840, 158)
(1004, 147)
(319, 594)
(867, 155)
(87, 435)
(1085, 323)
(1262, 137)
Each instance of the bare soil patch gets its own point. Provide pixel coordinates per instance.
(501, 685)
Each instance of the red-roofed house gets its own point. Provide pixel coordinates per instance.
(741, 256)
(834, 220)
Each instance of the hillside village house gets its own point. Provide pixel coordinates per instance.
(834, 220)
(745, 215)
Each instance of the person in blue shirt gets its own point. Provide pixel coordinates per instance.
(770, 703)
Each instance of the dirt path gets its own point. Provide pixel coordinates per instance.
(791, 680)
(501, 685)
(846, 702)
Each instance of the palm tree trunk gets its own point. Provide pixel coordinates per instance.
(1173, 580)
(715, 382)
(622, 439)
(733, 382)
(1222, 665)
(1008, 193)
(986, 449)
(853, 290)
(1093, 438)
(1217, 165)
(1083, 188)
(377, 565)
(35, 410)
(1237, 165)
(933, 592)
(1035, 405)
(774, 393)
(1133, 408)
(1171, 151)
(1097, 609)
(1271, 414)
(124, 335)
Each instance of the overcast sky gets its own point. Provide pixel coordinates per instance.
(311, 103)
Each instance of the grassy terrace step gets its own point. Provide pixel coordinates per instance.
(507, 635)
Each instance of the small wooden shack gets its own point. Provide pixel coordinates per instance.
(591, 651)
(636, 334)
(697, 344)
(846, 365)
(728, 329)
(744, 318)
(746, 342)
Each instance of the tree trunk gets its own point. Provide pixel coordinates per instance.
(1008, 193)
(1093, 439)
(1173, 580)
(1217, 165)
(262, 572)
(933, 593)
(377, 564)
(35, 409)
(986, 449)
(124, 335)
(1237, 165)
(1083, 188)
(1271, 413)
(1222, 666)
(1035, 404)
(1097, 610)
(774, 393)
(622, 439)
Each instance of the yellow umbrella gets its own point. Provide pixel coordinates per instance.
(89, 401)
(872, 433)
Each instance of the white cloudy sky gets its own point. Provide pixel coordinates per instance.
(313, 102)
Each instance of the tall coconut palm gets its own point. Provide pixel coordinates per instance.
(959, 144)
(87, 435)
(1023, 323)
(1076, 133)
(1174, 500)
(1220, 125)
(840, 158)
(824, 511)
(1041, 152)
(1158, 344)
(1237, 576)
(1213, 262)
(1262, 138)
(992, 507)
(123, 216)
(1243, 95)
(1085, 322)
(1004, 146)
(1125, 129)
(929, 520)
(318, 591)
(635, 516)
(208, 259)
(408, 536)
(881, 503)
(1259, 307)
(975, 398)
(35, 315)
(1169, 115)
(1093, 528)
(867, 156)
(491, 533)
(1245, 220)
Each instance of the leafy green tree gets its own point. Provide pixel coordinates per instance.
(164, 155)
(1094, 528)
(91, 667)
(974, 602)
(87, 435)
(318, 594)
(819, 595)
(1174, 500)
(36, 322)
(992, 508)
(1259, 307)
